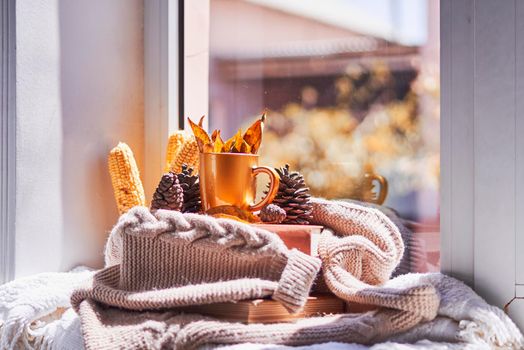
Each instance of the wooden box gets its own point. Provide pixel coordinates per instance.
(269, 311)
(302, 237)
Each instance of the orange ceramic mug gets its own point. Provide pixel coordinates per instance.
(229, 179)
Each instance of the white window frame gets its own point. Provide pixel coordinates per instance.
(176, 66)
(161, 84)
(482, 148)
(7, 141)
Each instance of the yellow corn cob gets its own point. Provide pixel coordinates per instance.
(174, 145)
(125, 178)
(188, 155)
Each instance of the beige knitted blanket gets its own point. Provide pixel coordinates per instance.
(158, 262)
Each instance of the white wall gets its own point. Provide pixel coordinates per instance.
(79, 91)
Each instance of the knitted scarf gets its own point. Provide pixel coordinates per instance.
(158, 262)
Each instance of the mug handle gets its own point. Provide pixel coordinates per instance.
(383, 192)
(274, 181)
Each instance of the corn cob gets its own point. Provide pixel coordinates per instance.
(188, 155)
(125, 178)
(174, 145)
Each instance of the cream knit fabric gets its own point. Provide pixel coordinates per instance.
(414, 253)
(168, 259)
(171, 259)
(360, 258)
(28, 319)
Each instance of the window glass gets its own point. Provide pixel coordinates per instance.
(351, 88)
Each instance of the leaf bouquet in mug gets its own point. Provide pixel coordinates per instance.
(228, 171)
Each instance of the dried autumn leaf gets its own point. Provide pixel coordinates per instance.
(201, 136)
(214, 135)
(228, 145)
(208, 148)
(239, 140)
(237, 144)
(230, 217)
(201, 121)
(218, 143)
(253, 135)
(244, 147)
(233, 211)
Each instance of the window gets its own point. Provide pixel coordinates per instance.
(351, 89)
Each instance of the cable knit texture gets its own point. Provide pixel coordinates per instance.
(171, 259)
(158, 262)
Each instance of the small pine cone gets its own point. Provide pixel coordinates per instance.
(293, 196)
(191, 188)
(272, 214)
(169, 194)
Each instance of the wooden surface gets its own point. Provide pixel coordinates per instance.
(269, 311)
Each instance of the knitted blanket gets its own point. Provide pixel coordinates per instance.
(35, 313)
(358, 260)
(167, 260)
(133, 303)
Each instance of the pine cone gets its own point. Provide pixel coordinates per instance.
(191, 188)
(273, 214)
(169, 194)
(293, 196)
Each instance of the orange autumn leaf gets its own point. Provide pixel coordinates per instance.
(236, 144)
(218, 143)
(239, 140)
(253, 135)
(244, 147)
(233, 211)
(230, 144)
(201, 136)
(227, 146)
(249, 142)
(214, 135)
(230, 217)
(208, 148)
